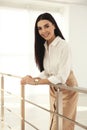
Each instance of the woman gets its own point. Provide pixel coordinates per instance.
(53, 58)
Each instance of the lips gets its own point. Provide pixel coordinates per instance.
(45, 35)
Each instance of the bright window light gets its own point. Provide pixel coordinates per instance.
(17, 40)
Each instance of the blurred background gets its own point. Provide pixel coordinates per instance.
(17, 20)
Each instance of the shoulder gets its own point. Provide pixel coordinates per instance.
(63, 43)
(65, 47)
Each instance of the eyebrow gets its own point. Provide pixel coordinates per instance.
(44, 25)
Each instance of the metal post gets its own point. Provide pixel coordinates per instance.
(22, 108)
(59, 109)
(2, 98)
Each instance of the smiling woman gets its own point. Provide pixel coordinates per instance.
(54, 60)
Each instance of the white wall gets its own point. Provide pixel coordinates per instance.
(78, 41)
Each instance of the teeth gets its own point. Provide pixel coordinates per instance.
(46, 35)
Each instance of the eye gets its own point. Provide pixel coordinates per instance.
(47, 26)
(39, 28)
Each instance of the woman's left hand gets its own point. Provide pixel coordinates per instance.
(27, 80)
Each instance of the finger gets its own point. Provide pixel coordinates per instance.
(23, 81)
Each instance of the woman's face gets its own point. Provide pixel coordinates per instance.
(46, 30)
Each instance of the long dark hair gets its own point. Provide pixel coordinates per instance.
(39, 41)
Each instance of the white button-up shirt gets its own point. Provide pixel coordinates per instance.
(57, 61)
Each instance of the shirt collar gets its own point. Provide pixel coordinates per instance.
(54, 42)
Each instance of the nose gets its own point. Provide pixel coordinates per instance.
(43, 30)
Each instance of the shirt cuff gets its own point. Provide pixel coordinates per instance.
(54, 80)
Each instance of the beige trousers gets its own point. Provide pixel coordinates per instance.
(69, 99)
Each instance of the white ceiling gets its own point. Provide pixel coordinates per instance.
(41, 2)
(83, 2)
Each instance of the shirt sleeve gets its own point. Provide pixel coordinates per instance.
(43, 75)
(64, 66)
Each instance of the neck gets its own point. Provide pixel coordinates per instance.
(50, 40)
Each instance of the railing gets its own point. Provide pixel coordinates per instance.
(58, 112)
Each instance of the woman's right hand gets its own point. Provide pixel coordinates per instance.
(27, 80)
